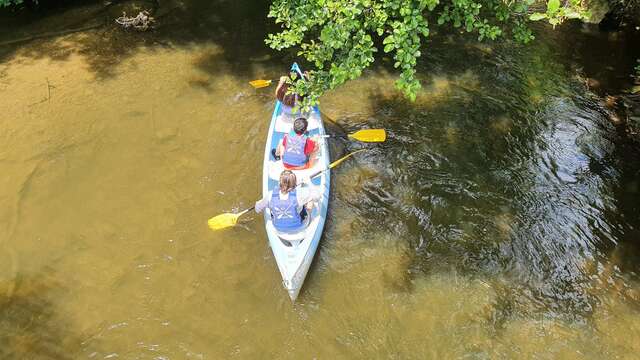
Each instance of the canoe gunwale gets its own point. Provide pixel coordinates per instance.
(298, 255)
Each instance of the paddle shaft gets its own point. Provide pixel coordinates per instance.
(246, 210)
(319, 172)
(347, 136)
(310, 177)
(333, 164)
(229, 219)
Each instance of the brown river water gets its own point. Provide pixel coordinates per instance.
(500, 219)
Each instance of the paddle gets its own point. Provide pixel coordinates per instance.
(335, 163)
(366, 135)
(260, 83)
(230, 219)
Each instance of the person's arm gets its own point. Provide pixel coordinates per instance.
(262, 204)
(283, 79)
(302, 195)
(281, 145)
(314, 192)
(308, 194)
(309, 147)
(314, 197)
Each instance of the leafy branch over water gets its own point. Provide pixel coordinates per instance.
(340, 37)
(9, 2)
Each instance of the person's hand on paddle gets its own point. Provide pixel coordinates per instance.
(230, 219)
(310, 205)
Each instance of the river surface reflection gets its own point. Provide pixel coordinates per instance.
(499, 220)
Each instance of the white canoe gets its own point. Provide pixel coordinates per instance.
(294, 252)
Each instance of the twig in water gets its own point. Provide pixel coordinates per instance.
(48, 98)
(48, 90)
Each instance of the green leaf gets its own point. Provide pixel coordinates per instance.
(572, 14)
(337, 36)
(537, 16)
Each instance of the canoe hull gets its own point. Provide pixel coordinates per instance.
(295, 257)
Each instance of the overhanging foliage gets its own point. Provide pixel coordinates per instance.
(340, 37)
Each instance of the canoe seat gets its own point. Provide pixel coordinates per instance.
(294, 239)
(276, 168)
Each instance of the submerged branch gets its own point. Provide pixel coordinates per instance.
(142, 22)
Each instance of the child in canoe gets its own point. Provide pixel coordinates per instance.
(296, 147)
(288, 100)
(289, 203)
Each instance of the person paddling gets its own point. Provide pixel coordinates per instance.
(296, 147)
(288, 203)
(288, 100)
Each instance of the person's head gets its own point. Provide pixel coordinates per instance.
(300, 125)
(287, 181)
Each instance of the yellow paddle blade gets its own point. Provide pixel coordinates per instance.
(223, 221)
(337, 162)
(260, 83)
(370, 135)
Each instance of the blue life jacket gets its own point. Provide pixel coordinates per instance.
(294, 150)
(285, 212)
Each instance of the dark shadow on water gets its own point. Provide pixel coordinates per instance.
(238, 27)
(627, 193)
(31, 325)
(489, 172)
